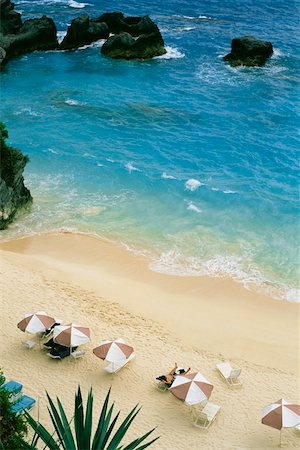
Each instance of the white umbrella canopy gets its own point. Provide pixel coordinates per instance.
(281, 414)
(36, 323)
(191, 388)
(115, 350)
(71, 335)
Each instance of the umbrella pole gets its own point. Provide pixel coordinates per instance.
(280, 439)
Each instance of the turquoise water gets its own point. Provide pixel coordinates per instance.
(182, 158)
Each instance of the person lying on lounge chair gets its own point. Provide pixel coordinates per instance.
(170, 377)
(50, 344)
(61, 351)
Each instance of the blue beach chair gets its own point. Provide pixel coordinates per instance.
(23, 403)
(13, 387)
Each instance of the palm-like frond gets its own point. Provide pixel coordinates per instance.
(106, 436)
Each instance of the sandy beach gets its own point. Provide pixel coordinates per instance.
(195, 321)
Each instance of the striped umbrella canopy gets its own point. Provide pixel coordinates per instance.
(281, 414)
(71, 335)
(36, 323)
(191, 388)
(113, 350)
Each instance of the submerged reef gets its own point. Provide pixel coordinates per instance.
(13, 194)
(249, 51)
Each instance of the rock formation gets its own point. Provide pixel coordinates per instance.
(17, 38)
(84, 31)
(124, 46)
(13, 194)
(249, 51)
(118, 23)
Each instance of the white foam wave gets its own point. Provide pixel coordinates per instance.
(100, 165)
(51, 150)
(193, 207)
(192, 184)
(95, 44)
(60, 36)
(173, 263)
(276, 53)
(228, 191)
(167, 177)
(215, 189)
(131, 168)
(186, 28)
(74, 4)
(89, 155)
(110, 160)
(293, 295)
(72, 102)
(172, 53)
(28, 112)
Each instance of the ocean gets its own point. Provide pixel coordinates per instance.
(182, 158)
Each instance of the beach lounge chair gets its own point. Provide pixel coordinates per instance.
(205, 417)
(161, 386)
(60, 352)
(29, 344)
(114, 367)
(78, 354)
(14, 388)
(23, 403)
(229, 374)
(49, 344)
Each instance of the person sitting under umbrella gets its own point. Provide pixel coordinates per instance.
(168, 378)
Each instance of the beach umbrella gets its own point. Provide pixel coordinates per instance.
(281, 414)
(71, 335)
(113, 350)
(191, 388)
(36, 323)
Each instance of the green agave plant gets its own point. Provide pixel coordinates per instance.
(108, 435)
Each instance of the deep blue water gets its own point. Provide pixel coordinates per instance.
(183, 158)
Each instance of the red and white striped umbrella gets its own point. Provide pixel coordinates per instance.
(71, 335)
(113, 350)
(36, 323)
(191, 388)
(281, 414)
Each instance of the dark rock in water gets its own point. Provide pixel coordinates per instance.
(11, 21)
(113, 20)
(124, 46)
(13, 194)
(84, 31)
(139, 25)
(35, 34)
(118, 23)
(17, 38)
(249, 51)
(2, 56)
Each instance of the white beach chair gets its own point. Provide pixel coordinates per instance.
(205, 417)
(78, 354)
(114, 367)
(161, 386)
(53, 356)
(29, 344)
(229, 374)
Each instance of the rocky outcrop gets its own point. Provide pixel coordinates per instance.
(11, 21)
(249, 51)
(13, 194)
(118, 23)
(84, 31)
(124, 46)
(17, 38)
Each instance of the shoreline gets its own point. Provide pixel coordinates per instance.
(197, 322)
(216, 302)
